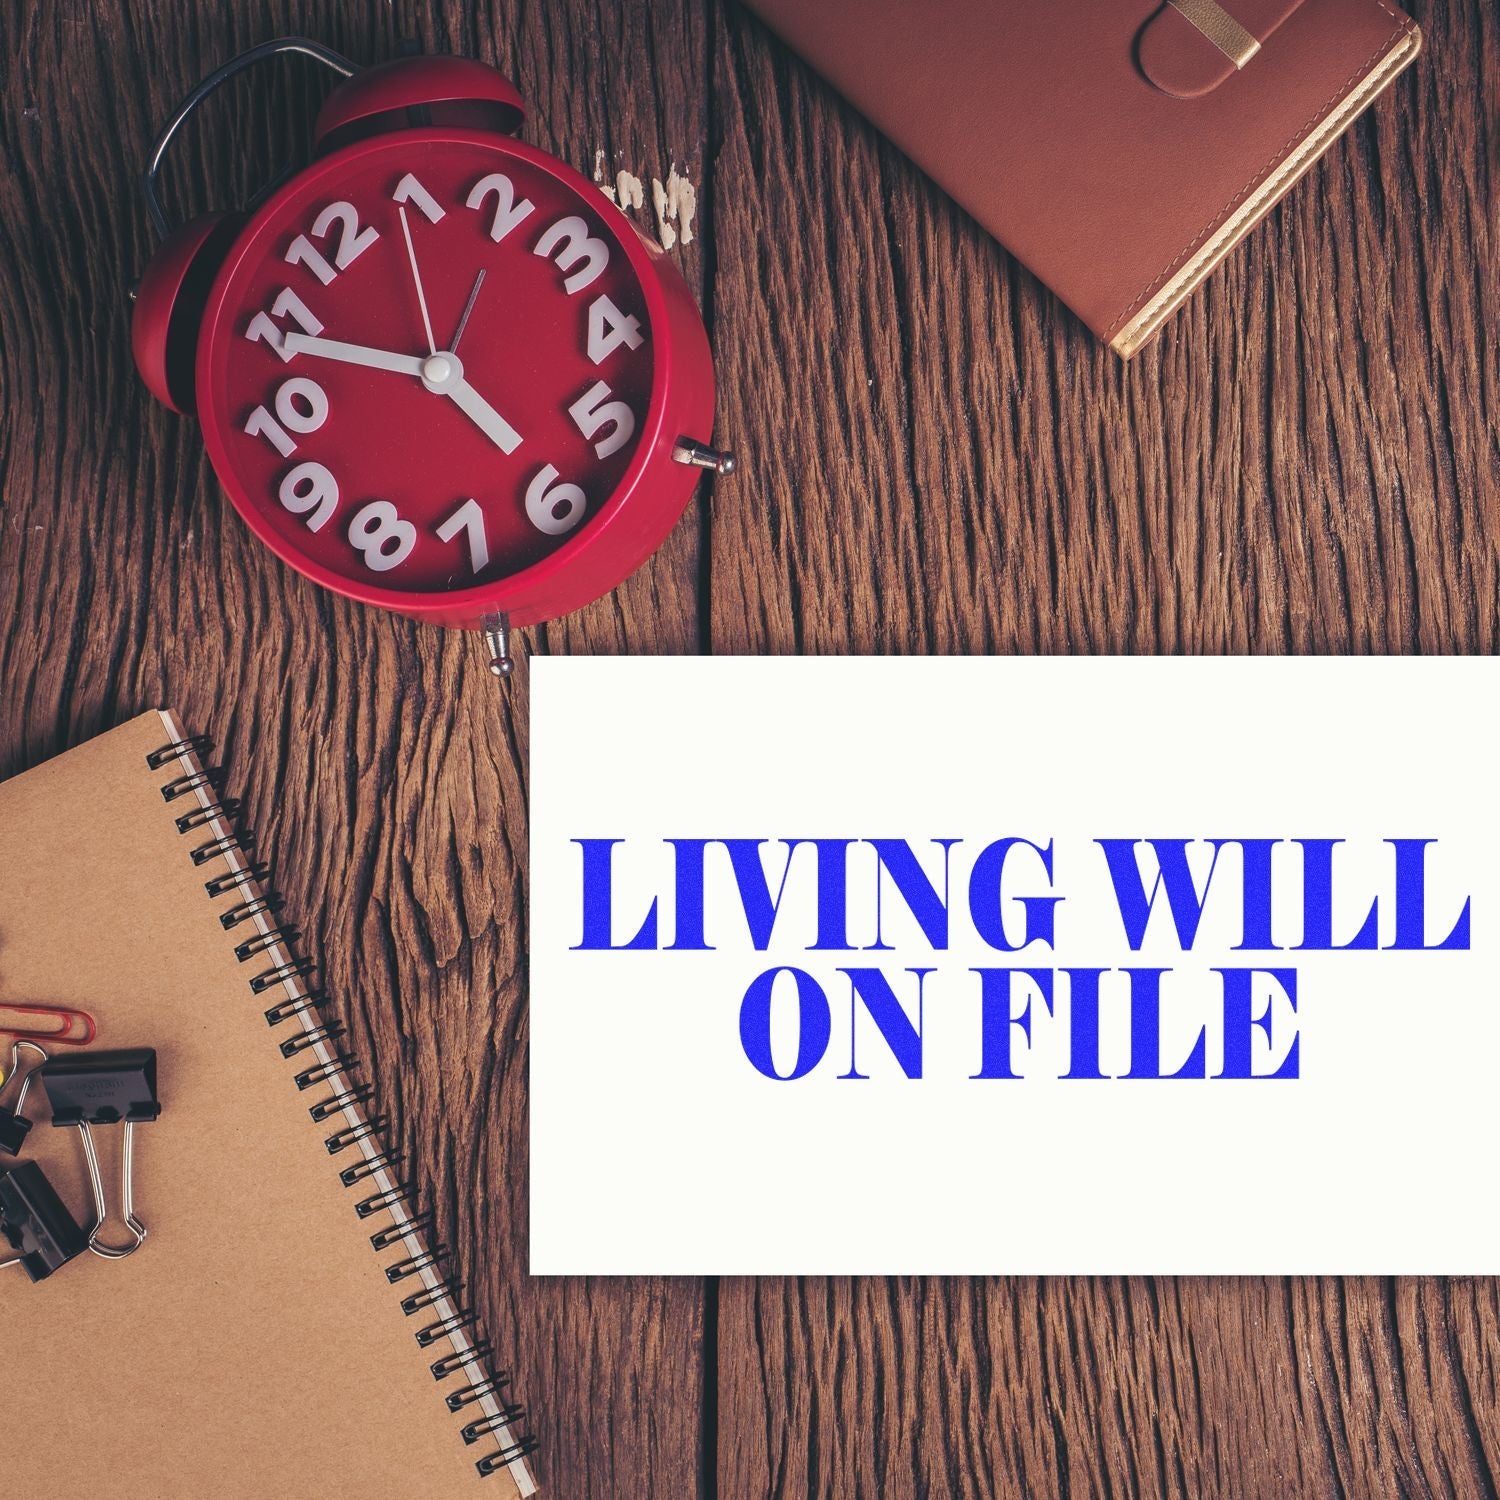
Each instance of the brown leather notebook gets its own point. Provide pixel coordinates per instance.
(258, 1344)
(1119, 148)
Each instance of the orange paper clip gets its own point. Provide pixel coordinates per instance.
(47, 1023)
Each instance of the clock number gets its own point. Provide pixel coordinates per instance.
(610, 329)
(569, 243)
(508, 213)
(300, 404)
(263, 424)
(469, 518)
(409, 190)
(303, 252)
(287, 305)
(553, 508)
(310, 487)
(594, 410)
(353, 242)
(384, 538)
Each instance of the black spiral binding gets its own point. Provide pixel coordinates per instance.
(244, 889)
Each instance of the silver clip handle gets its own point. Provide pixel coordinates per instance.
(127, 1195)
(298, 44)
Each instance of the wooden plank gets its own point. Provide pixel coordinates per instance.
(385, 771)
(946, 462)
(1169, 1387)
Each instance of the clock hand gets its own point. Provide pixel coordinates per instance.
(463, 321)
(469, 401)
(483, 415)
(416, 277)
(443, 375)
(353, 354)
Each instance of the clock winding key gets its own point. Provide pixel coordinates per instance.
(701, 456)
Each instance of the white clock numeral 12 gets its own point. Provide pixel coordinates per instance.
(311, 488)
(409, 190)
(569, 243)
(508, 213)
(468, 518)
(610, 329)
(553, 508)
(379, 532)
(287, 305)
(353, 242)
(300, 404)
(593, 410)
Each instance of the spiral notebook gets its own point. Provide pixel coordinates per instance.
(287, 1328)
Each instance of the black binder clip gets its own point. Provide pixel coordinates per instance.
(36, 1224)
(14, 1126)
(106, 1088)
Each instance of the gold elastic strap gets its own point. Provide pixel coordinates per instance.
(1220, 28)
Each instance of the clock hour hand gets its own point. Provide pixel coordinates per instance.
(484, 416)
(443, 374)
(353, 354)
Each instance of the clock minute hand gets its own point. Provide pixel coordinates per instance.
(353, 354)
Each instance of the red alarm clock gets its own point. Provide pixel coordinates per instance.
(437, 369)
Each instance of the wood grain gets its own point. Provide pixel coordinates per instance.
(936, 458)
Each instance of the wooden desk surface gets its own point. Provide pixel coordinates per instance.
(936, 458)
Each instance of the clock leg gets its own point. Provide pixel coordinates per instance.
(496, 629)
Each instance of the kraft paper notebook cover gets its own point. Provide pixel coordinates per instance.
(254, 1346)
(1119, 148)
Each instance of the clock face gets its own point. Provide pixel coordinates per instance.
(428, 364)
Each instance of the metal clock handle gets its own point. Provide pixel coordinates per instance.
(302, 45)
